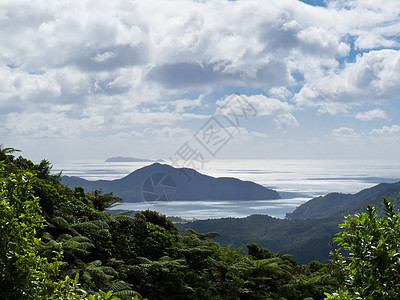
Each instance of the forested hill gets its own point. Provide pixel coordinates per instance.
(161, 181)
(305, 240)
(59, 243)
(309, 231)
(337, 203)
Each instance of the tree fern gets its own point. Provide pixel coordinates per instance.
(76, 246)
(90, 225)
(122, 290)
(60, 223)
(94, 274)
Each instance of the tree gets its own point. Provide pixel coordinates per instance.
(372, 269)
(23, 273)
(101, 202)
(6, 153)
(160, 220)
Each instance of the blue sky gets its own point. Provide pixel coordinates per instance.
(94, 79)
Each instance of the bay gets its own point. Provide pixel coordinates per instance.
(296, 180)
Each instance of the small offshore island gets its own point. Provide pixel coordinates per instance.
(130, 159)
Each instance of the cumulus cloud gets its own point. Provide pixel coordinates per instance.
(344, 133)
(184, 45)
(259, 104)
(281, 93)
(182, 105)
(386, 130)
(115, 65)
(242, 106)
(372, 115)
(373, 76)
(373, 40)
(287, 120)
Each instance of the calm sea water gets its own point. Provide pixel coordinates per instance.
(296, 180)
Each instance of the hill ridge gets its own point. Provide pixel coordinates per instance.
(188, 183)
(338, 203)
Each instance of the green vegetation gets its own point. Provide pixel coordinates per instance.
(305, 240)
(372, 268)
(337, 204)
(309, 231)
(59, 243)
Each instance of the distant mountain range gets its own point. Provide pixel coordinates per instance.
(130, 159)
(162, 182)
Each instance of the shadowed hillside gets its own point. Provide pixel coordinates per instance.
(169, 183)
(332, 203)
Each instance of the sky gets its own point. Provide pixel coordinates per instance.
(195, 80)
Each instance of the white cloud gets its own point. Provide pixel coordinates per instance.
(280, 93)
(372, 23)
(96, 66)
(386, 130)
(344, 133)
(102, 57)
(317, 39)
(284, 121)
(373, 76)
(372, 115)
(181, 105)
(256, 104)
(182, 44)
(373, 40)
(49, 125)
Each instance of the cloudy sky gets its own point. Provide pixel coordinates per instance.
(93, 79)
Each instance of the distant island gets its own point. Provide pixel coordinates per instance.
(130, 159)
(162, 182)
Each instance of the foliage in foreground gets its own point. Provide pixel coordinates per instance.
(59, 243)
(65, 236)
(24, 274)
(372, 268)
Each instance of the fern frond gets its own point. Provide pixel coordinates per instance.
(144, 260)
(64, 237)
(126, 294)
(47, 237)
(60, 223)
(119, 286)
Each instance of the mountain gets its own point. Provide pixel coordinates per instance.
(162, 182)
(306, 234)
(337, 203)
(130, 159)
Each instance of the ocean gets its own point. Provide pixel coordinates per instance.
(297, 181)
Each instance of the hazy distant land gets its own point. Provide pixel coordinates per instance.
(130, 159)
